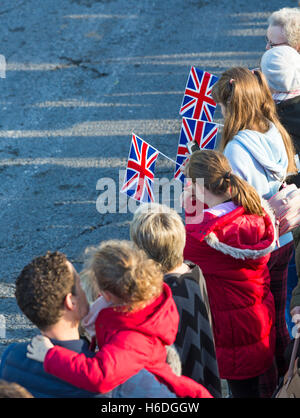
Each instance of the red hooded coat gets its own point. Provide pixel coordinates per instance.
(128, 342)
(232, 248)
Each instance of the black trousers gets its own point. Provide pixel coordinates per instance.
(247, 388)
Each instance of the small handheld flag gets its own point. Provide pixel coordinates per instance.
(139, 176)
(203, 133)
(197, 101)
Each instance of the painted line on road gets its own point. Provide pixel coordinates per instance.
(81, 103)
(203, 59)
(111, 162)
(103, 128)
(101, 16)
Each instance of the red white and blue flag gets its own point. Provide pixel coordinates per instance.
(203, 133)
(139, 176)
(197, 101)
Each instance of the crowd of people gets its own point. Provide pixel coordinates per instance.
(183, 305)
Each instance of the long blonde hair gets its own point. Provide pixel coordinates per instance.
(213, 167)
(249, 105)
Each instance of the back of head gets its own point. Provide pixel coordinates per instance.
(214, 168)
(125, 271)
(89, 285)
(159, 231)
(247, 100)
(249, 104)
(289, 19)
(281, 67)
(13, 390)
(41, 288)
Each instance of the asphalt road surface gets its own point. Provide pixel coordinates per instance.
(81, 76)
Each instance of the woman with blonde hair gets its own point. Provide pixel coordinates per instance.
(232, 246)
(160, 232)
(260, 151)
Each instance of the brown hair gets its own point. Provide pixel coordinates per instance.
(125, 271)
(214, 168)
(13, 390)
(249, 105)
(160, 232)
(41, 288)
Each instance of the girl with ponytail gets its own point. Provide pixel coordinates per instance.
(232, 246)
(260, 151)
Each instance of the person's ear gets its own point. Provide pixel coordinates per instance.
(70, 302)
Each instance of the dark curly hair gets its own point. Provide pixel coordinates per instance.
(41, 288)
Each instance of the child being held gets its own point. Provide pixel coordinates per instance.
(132, 333)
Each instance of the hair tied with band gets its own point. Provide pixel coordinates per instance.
(227, 175)
(231, 80)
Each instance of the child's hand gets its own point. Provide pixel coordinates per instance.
(38, 348)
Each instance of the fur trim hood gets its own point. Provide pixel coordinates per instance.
(236, 233)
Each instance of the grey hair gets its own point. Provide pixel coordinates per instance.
(289, 19)
(160, 232)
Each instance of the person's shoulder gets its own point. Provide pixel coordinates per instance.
(15, 354)
(4, 357)
(17, 367)
(289, 103)
(239, 143)
(14, 357)
(14, 350)
(241, 139)
(194, 275)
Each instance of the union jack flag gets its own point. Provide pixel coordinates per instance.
(204, 133)
(197, 101)
(139, 176)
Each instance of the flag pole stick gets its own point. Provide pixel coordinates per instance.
(165, 155)
(168, 158)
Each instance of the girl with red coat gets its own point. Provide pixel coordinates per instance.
(260, 151)
(232, 245)
(132, 333)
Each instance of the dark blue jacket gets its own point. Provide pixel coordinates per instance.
(16, 367)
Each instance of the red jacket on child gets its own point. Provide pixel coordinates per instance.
(232, 249)
(128, 342)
